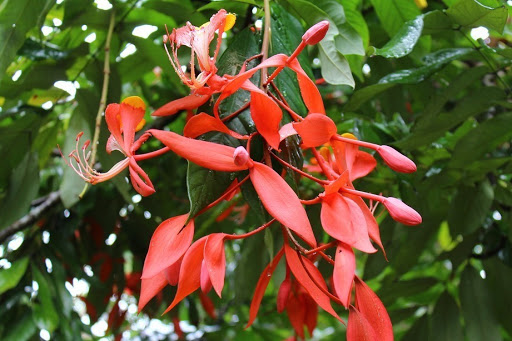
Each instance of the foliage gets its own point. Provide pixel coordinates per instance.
(397, 74)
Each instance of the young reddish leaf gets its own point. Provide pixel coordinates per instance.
(169, 242)
(315, 130)
(359, 329)
(215, 260)
(205, 154)
(336, 218)
(150, 287)
(189, 102)
(283, 293)
(296, 311)
(261, 286)
(206, 283)
(190, 272)
(361, 228)
(343, 274)
(310, 94)
(203, 123)
(369, 304)
(293, 261)
(281, 201)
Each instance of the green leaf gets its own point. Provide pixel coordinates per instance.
(419, 330)
(17, 17)
(479, 318)
(499, 281)
(22, 330)
(45, 314)
(436, 22)
(23, 188)
(403, 41)
(81, 120)
(484, 138)
(474, 103)
(363, 95)
(394, 13)
(446, 324)
(469, 208)
(391, 292)
(433, 62)
(9, 278)
(471, 13)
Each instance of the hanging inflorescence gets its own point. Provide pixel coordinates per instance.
(174, 258)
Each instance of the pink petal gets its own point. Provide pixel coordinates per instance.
(206, 283)
(310, 94)
(315, 130)
(169, 242)
(359, 329)
(266, 115)
(361, 228)
(150, 287)
(363, 164)
(281, 201)
(336, 218)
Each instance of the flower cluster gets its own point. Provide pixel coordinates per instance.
(174, 258)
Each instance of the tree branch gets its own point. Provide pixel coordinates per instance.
(35, 213)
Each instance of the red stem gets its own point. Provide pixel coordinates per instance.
(251, 233)
(321, 248)
(281, 161)
(236, 113)
(356, 142)
(227, 193)
(322, 164)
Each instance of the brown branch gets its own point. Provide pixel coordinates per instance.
(35, 213)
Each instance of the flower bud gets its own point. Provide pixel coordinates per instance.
(316, 33)
(401, 212)
(241, 156)
(396, 160)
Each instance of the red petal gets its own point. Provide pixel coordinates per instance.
(336, 218)
(361, 228)
(293, 261)
(215, 260)
(172, 273)
(169, 242)
(311, 314)
(261, 286)
(190, 272)
(371, 223)
(315, 130)
(283, 293)
(363, 164)
(206, 283)
(140, 180)
(130, 117)
(203, 123)
(359, 329)
(189, 102)
(369, 304)
(205, 154)
(150, 287)
(286, 131)
(281, 201)
(310, 94)
(345, 155)
(296, 313)
(266, 114)
(343, 274)
(207, 304)
(335, 186)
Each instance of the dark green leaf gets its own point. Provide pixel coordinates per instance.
(23, 188)
(9, 278)
(436, 22)
(484, 138)
(446, 325)
(22, 330)
(391, 292)
(394, 13)
(45, 314)
(403, 41)
(499, 278)
(365, 94)
(471, 13)
(478, 315)
(419, 330)
(469, 208)
(17, 17)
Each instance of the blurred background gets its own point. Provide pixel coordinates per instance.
(431, 78)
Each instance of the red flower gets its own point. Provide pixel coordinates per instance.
(123, 120)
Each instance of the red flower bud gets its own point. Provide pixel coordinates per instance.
(316, 33)
(396, 160)
(282, 295)
(241, 156)
(401, 212)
